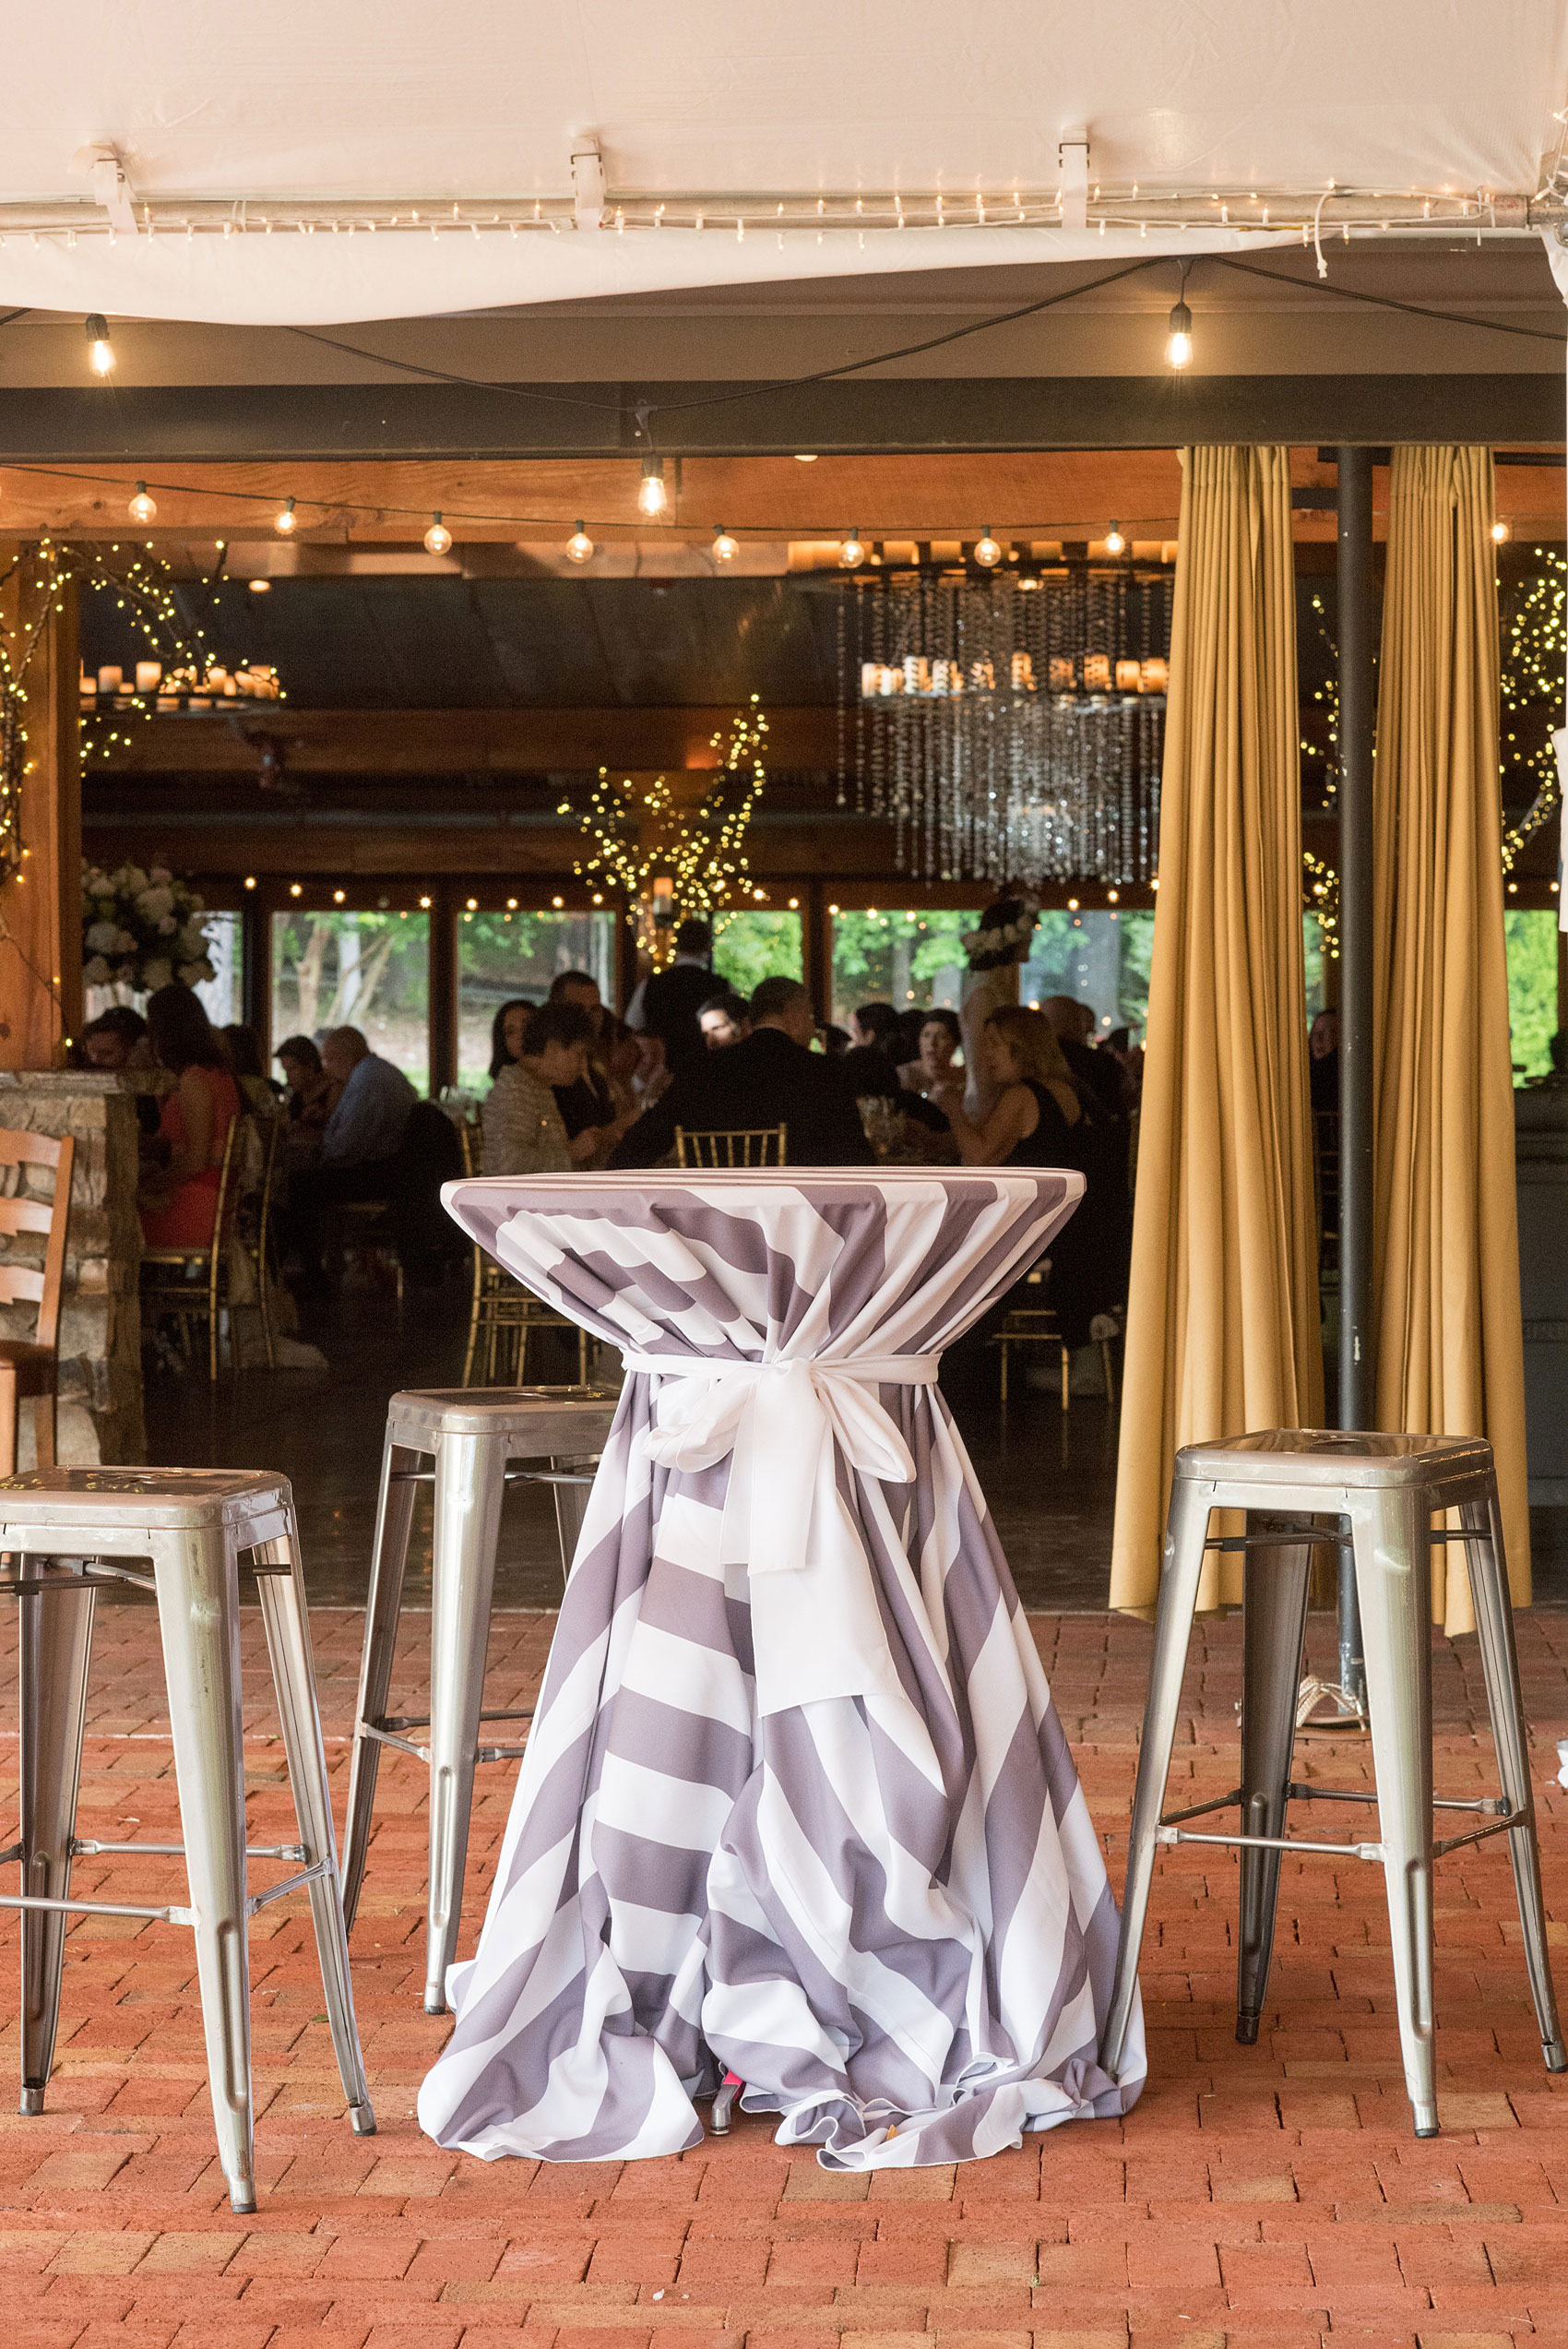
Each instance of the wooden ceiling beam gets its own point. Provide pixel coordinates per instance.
(458, 741)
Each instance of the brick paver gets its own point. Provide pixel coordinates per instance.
(1272, 2195)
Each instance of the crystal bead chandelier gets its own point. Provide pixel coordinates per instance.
(1010, 727)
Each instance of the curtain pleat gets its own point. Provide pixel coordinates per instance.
(1445, 1257)
(1223, 1327)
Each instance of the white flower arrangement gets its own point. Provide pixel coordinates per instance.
(141, 928)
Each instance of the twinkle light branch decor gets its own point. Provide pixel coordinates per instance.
(664, 849)
(1010, 724)
(1533, 650)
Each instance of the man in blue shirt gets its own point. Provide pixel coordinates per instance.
(360, 1146)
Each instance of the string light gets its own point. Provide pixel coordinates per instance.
(579, 546)
(1500, 532)
(285, 521)
(651, 495)
(259, 587)
(852, 553)
(1179, 341)
(99, 350)
(438, 538)
(988, 554)
(725, 548)
(250, 881)
(1114, 542)
(143, 509)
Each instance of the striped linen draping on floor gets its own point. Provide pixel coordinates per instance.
(796, 1799)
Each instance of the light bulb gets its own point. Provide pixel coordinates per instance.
(651, 498)
(101, 350)
(579, 546)
(1500, 532)
(852, 554)
(143, 507)
(286, 522)
(725, 548)
(987, 553)
(438, 538)
(259, 587)
(1179, 344)
(1114, 542)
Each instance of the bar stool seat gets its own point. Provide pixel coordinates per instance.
(472, 1436)
(1379, 1493)
(66, 1530)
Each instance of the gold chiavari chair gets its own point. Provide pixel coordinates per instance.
(503, 1315)
(1035, 1324)
(743, 1146)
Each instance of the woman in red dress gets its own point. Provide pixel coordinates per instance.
(184, 1158)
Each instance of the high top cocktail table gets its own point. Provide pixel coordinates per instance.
(796, 1802)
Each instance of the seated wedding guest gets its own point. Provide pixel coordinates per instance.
(505, 1034)
(771, 1078)
(938, 1040)
(182, 1163)
(836, 1041)
(875, 1023)
(725, 1019)
(244, 1059)
(116, 1039)
(588, 1104)
(666, 1002)
(360, 1145)
(312, 1094)
(1073, 1023)
(524, 1130)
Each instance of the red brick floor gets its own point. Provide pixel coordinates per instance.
(1271, 2194)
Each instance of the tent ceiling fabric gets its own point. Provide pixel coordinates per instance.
(481, 101)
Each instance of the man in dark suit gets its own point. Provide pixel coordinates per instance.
(770, 1079)
(668, 1002)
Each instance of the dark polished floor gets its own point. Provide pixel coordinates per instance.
(1049, 1478)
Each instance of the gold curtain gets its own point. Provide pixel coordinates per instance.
(1223, 1330)
(1446, 1245)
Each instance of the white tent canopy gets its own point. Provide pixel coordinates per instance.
(733, 109)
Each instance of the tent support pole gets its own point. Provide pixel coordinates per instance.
(1357, 1369)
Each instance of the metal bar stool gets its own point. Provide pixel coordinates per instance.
(1386, 1488)
(65, 1530)
(475, 1436)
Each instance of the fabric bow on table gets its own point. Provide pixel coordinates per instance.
(816, 1627)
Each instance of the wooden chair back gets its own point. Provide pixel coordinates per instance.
(34, 1284)
(743, 1146)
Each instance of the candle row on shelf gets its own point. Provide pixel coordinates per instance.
(916, 678)
(176, 689)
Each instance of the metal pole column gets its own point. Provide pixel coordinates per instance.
(1357, 720)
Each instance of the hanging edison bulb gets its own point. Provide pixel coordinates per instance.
(852, 553)
(1114, 542)
(579, 546)
(286, 522)
(438, 538)
(99, 350)
(1179, 341)
(653, 497)
(988, 554)
(725, 548)
(143, 507)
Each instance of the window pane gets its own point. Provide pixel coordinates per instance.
(222, 995)
(1099, 958)
(749, 948)
(364, 970)
(1532, 989)
(901, 958)
(502, 955)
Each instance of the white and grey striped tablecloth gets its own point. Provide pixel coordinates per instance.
(796, 1799)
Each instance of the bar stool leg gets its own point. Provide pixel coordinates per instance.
(56, 1645)
(1500, 1663)
(384, 1605)
(1182, 1566)
(280, 1584)
(198, 1618)
(470, 1473)
(571, 1508)
(1273, 1635)
(1393, 1586)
